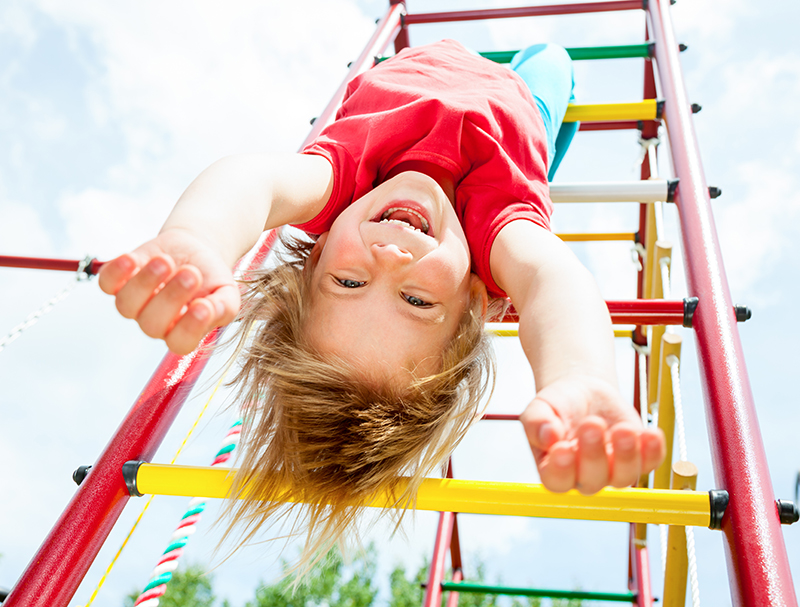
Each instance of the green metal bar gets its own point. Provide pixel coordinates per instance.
(625, 597)
(626, 51)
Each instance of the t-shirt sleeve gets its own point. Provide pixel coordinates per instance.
(483, 222)
(344, 171)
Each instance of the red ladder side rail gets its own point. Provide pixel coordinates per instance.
(758, 565)
(57, 569)
(54, 574)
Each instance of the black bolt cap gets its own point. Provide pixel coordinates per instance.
(743, 313)
(696, 107)
(80, 474)
(714, 191)
(788, 512)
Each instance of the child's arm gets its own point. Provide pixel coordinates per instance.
(583, 435)
(179, 285)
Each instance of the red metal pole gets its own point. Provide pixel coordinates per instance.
(401, 40)
(57, 569)
(641, 572)
(455, 551)
(636, 312)
(433, 591)
(48, 263)
(758, 565)
(503, 417)
(452, 598)
(387, 29)
(618, 125)
(526, 11)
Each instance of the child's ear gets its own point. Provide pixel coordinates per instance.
(316, 251)
(478, 293)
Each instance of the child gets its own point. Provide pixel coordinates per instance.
(429, 196)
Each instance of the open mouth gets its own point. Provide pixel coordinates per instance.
(408, 218)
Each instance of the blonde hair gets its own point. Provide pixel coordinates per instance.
(316, 432)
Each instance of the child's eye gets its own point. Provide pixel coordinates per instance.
(350, 284)
(416, 301)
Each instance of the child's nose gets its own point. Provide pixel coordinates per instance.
(391, 254)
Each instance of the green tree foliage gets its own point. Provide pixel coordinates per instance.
(332, 583)
(405, 592)
(191, 587)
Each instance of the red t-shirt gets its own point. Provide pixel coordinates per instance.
(441, 104)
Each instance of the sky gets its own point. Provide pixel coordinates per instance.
(109, 110)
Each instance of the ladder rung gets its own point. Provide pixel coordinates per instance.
(633, 505)
(624, 51)
(510, 329)
(596, 236)
(641, 312)
(643, 190)
(524, 11)
(471, 587)
(649, 109)
(619, 125)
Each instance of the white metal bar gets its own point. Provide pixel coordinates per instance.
(642, 191)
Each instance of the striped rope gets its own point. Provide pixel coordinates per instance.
(187, 526)
(150, 499)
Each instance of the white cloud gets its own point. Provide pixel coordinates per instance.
(711, 21)
(105, 223)
(22, 232)
(757, 230)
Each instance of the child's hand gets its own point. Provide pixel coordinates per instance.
(175, 286)
(584, 436)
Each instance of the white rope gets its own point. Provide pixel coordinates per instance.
(693, 580)
(33, 317)
(658, 208)
(647, 147)
(638, 251)
(664, 263)
(674, 366)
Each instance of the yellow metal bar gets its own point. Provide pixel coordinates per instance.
(650, 237)
(608, 112)
(670, 346)
(684, 477)
(475, 497)
(661, 248)
(590, 237)
(511, 329)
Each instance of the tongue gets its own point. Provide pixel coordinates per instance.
(409, 218)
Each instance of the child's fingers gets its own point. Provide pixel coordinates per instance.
(137, 292)
(192, 327)
(627, 456)
(542, 425)
(161, 312)
(225, 302)
(114, 274)
(593, 458)
(558, 470)
(653, 449)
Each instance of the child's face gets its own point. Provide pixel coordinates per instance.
(386, 297)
